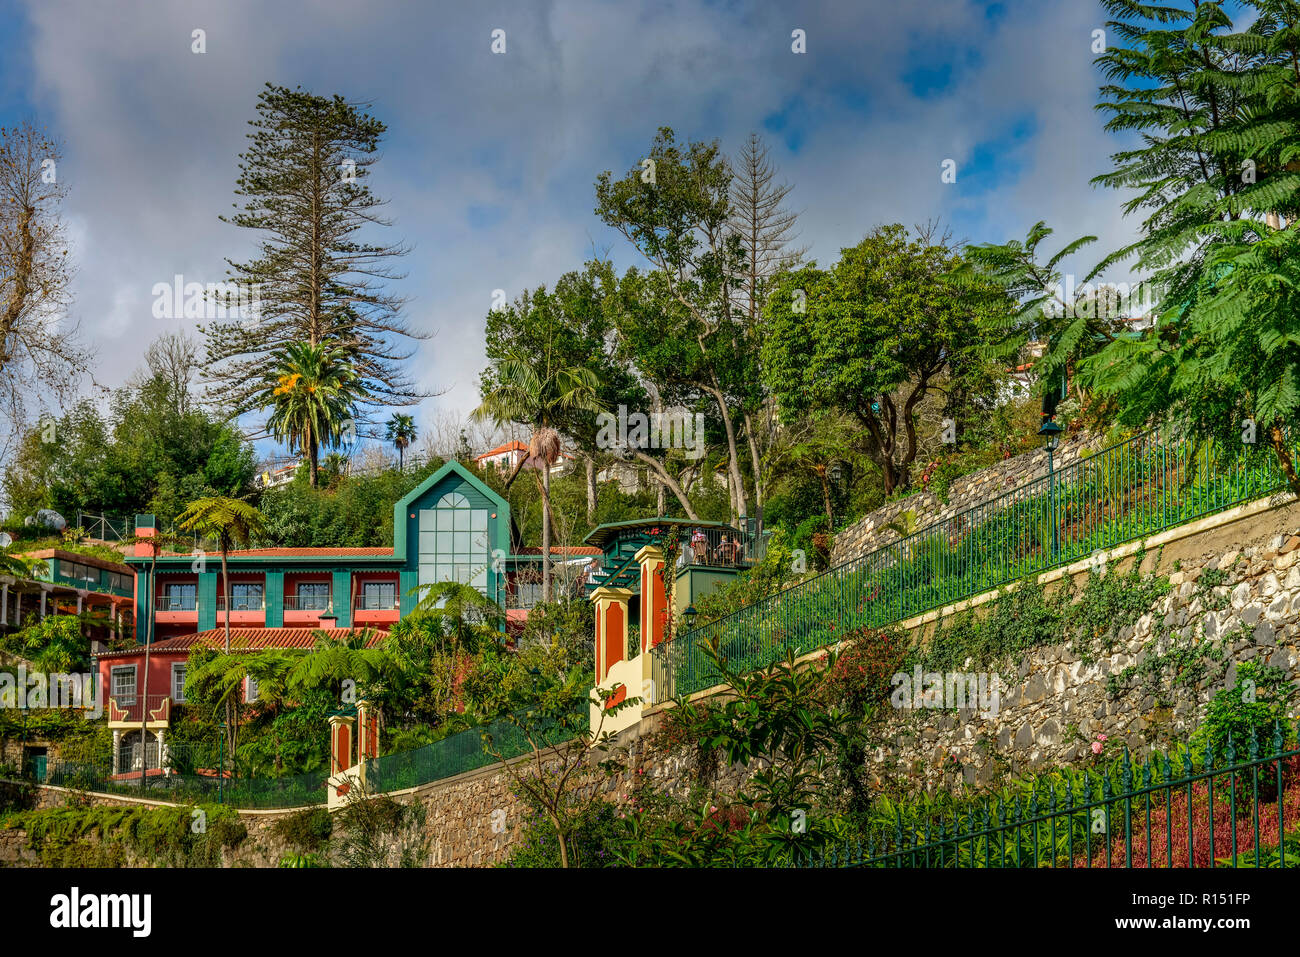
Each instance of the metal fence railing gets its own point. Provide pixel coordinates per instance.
(460, 752)
(1185, 811)
(1120, 494)
(297, 790)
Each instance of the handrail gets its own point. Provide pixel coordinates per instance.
(1119, 494)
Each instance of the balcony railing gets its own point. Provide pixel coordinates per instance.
(242, 604)
(181, 603)
(306, 602)
(130, 707)
(718, 547)
(377, 604)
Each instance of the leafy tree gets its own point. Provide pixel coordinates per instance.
(316, 388)
(876, 334)
(1215, 176)
(538, 389)
(401, 431)
(574, 322)
(678, 326)
(304, 183)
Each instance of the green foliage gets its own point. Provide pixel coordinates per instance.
(101, 836)
(1216, 104)
(54, 644)
(874, 334)
(155, 451)
(320, 276)
(378, 831)
(1251, 710)
(356, 511)
(780, 722)
(308, 831)
(312, 390)
(591, 843)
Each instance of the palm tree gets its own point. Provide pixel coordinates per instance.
(401, 432)
(314, 390)
(229, 521)
(535, 390)
(461, 614)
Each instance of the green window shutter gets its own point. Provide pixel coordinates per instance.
(341, 597)
(275, 599)
(207, 593)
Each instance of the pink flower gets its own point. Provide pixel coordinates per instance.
(1096, 747)
(1101, 737)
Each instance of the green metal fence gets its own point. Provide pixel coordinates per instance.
(1122, 493)
(460, 752)
(296, 790)
(1185, 811)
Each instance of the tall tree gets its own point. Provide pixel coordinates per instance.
(39, 353)
(538, 389)
(768, 235)
(675, 208)
(401, 431)
(1216, 176)
(314, 392)
(876, 334)
(575, 320)
(303, 179)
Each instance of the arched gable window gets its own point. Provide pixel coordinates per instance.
(454, 544)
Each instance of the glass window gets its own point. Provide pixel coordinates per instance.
(313, 596)
(178, 597)
(178, 682)
(458, 550)
(123, 684)
(245, 596)
(379, 596)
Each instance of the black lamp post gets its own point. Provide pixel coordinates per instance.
(689, 616)
(1051, 433)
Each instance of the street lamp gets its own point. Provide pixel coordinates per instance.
(1051, 433)
(689, 615)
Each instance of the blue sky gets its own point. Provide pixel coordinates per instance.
(490, 159)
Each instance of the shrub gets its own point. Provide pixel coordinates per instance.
(305, 830)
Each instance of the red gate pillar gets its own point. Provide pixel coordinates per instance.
(654, 601)
(367, 731)
(611, 628)
(340, 744)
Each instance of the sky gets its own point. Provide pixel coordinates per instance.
(490, 158)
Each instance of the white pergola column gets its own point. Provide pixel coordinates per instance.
(44, 592)
(81, 597)
(117, 750)
(4, 604)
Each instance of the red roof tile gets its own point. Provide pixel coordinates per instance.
(247, 639)
(512, 446)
